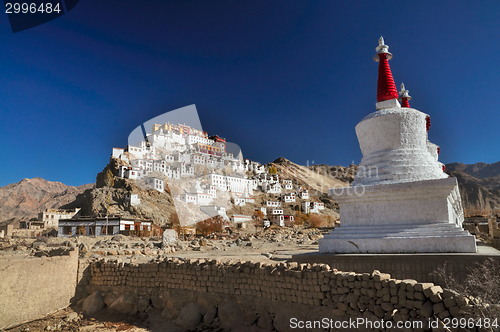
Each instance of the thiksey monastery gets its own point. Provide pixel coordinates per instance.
(177, 153)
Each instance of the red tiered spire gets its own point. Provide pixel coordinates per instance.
(404, 97)
(386, 89)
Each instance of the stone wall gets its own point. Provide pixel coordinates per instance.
(277, 292)
(32, 287)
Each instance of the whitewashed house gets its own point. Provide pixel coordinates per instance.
(186, 170)
(182, 157)
(312, 207)
(304, 194)
(273, 204)
(278, 220)
(287, 184)
(289, 198)
(154, 183)
(169, 158)
(117, 152)
(197, 196)
(134, 173)
(135, 151)
(214, 211)
(230, 183)
(239, 201)
(274, 188)
(132, 200)
(198, 159)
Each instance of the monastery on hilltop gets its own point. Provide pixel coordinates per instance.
(203, 168)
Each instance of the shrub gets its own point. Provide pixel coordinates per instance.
(209, 226)
(315, 220)
(482, 284)
(258, 216)
(299, 218)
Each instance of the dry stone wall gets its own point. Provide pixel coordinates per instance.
(317, 288)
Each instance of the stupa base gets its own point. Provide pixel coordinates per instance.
(432, 238)
(414, 217)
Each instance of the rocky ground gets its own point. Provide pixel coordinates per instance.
(275, 242)
(273, 245)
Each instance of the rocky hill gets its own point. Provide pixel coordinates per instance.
(24, 199)
(110, 197)
(317, 177)
(479, 185)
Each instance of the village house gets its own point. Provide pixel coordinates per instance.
(154, 183)
(274, 188)
(263, 209)
(239, 201)
(132, 200)
(231, 183)
(304, 194)
(312, 207)
(197, 195)
(278, 220)
(288, 219)
(51, 217)
(110, 225)
(240, 220)
(214, 211)
(288, 198)
(287, 184)
(271, 204)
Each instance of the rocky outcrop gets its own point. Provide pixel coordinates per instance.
(110, 196)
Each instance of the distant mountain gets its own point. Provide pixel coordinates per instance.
(24, 199)
(478, 170)
(479, 184)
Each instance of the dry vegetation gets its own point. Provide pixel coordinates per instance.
(481, 287)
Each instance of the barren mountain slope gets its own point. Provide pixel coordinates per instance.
(27, 197)
(317, 178)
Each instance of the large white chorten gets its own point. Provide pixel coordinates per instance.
(401, 201)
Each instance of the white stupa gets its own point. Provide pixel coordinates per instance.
(401, 201)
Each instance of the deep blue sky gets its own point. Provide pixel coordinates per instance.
(279, 78)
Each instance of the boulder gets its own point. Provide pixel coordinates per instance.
(210, 315)
(157, 301)
(190, 315)
(142, 304)
(230, 315)
(119, 238)
(93, 303)
(39, 245)
(109, 298)
(124, 304)
(170, 238)
(266, 322)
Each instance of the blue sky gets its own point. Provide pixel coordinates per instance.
(278, 78)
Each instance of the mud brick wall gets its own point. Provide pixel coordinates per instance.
(347, 294)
